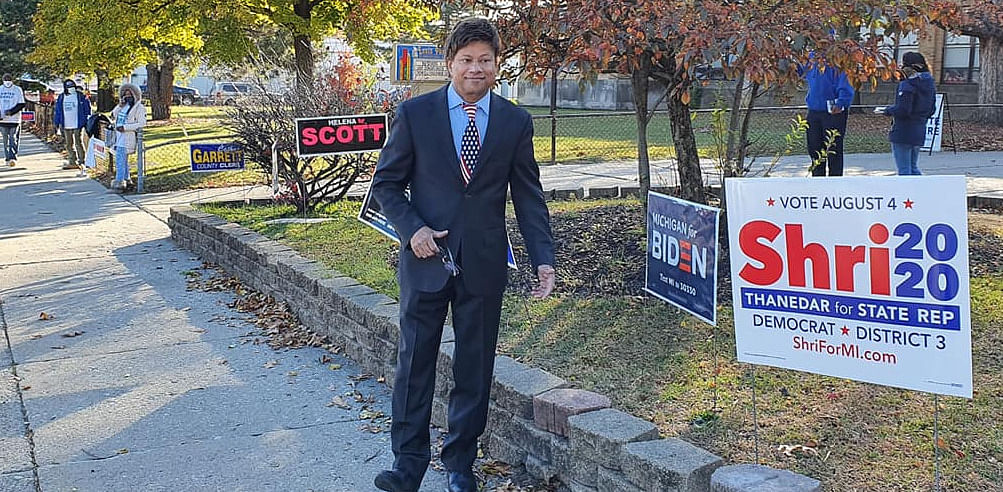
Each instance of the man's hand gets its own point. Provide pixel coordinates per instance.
(547, 277)
(120, 128)
(423, 242)
(835, 110)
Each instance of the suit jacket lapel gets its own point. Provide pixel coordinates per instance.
(445, 132)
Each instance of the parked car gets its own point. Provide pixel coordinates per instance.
(185, 96)
(228, 93)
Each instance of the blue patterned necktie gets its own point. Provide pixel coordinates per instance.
(470, 144)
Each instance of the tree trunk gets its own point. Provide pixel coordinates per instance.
(744, 136)
(553, 118)
(105, 99)
(991, 79)
(690, 179)
(731, 157)
(160, 87)
(303, 48)
(639, 86)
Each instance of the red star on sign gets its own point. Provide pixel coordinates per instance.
(908, 203)
(770, 202)
(845, 330)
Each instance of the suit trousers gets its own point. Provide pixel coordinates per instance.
(475, 322)
(819, 123)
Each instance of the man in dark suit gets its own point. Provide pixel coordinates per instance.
(459, 149)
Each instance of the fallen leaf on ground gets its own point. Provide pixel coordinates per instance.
(45, 316)
(73, 334)
(339, 402)
(791, 449)
(270, 364)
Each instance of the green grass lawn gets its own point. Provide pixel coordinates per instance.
(604, 136)
(609, 136)
(665, 366)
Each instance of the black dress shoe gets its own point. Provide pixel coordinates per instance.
(393, 481)
(462, 482)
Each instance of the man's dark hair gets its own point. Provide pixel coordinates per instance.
(470, 31)
(7, 76)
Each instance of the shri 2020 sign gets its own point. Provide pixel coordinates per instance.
(863, 278)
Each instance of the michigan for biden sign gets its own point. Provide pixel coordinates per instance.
(682, 254)
(212, 157)
(330, 135)
(863, 278)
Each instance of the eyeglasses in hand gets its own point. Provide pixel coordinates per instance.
(448, 262)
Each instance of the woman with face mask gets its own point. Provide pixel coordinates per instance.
(128, 117)
(914, 104)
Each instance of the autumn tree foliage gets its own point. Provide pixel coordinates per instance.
(759, 44)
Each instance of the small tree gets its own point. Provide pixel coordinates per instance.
(260, 123)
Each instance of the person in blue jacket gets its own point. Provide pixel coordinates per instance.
(915, 103)
(829, 97)
(71, 113)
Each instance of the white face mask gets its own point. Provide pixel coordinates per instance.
(7, 83)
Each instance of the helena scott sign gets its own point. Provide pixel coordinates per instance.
(331, 135)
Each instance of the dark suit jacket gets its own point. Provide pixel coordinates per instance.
(420, 153)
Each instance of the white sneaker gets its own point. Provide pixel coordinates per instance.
(11, 163)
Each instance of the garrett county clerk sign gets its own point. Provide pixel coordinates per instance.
(331, 135)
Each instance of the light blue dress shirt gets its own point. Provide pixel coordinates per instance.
(458, 117)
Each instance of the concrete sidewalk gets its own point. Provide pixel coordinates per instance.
(136, 383)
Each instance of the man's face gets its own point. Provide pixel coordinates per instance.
(473, 70)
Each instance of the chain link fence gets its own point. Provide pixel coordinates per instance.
(612, 135)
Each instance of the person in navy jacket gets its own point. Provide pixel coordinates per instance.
(915, 103)
(829, 97)
(71, 113)
(458, 150)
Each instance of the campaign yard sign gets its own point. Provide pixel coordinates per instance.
(371, 214)
(935, 127)
(681, 260)
(213, 157)
(331, 135)
(419, 62)
(864, 278)
(27, 116)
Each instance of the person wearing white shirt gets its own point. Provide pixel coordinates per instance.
(11, 103)
(71, 113)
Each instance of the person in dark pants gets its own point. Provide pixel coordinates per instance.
(829, 97)
(458, 149)
(915, 103)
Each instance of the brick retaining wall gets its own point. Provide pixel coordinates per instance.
(559, 434)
